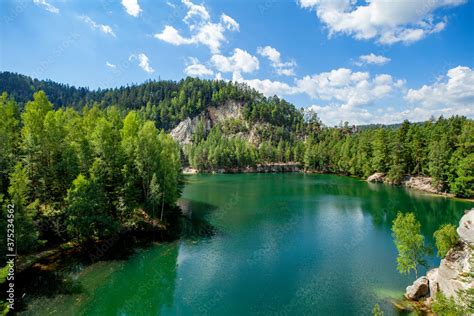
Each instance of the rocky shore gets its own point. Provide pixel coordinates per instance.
(455, 272)
(419, 183)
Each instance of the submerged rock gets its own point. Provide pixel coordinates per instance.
(420, 288)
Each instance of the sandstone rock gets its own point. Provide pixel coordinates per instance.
(455, 271)
(466, 228)
(230, 109)
(422, 183)
(376, 177)
(184, 131)
(432, 276)
(420, 288)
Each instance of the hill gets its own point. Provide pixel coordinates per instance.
(223, 125)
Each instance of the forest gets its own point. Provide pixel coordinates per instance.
(81, 164)
(83, 175)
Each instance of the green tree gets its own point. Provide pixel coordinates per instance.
(33, 137)
(380, 151)
(410, 243)
(87, 214)
(446, 237)
(25, 231)
(463, 182)
(458, 305)
(9, 138)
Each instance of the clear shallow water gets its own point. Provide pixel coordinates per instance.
(285, 244)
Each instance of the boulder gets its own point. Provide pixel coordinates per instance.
(422, 183)
(420, 288)
(376, 177)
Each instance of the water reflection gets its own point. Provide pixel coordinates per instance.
(284, 244)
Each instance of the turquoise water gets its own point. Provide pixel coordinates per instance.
(283, 244)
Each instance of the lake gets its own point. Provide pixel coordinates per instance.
(261, 244)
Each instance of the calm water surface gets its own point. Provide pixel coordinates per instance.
(284, 244)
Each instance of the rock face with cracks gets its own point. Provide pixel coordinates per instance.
(183, 133)
(455, 272)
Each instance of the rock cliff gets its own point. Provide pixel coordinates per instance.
(184, 131)
(455, 272)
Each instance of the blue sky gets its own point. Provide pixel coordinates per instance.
(364, 62)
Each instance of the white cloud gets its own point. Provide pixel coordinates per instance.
(218, 76)
(388, 22)
(454, 91)
(110, 65)
(48, 6)
(203, 30)
(101, 27)
(340, 86)
(372, 59)
(171, 35)
(240, 61)
(143, 62)
(229, 23)
(334, 114)
(348, 88)
(266, 86)
(452, 94)
(348, 95)
(196, 69)
(132, 7)
(196, 11)
(281, 68)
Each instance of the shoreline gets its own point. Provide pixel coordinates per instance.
(295, 167)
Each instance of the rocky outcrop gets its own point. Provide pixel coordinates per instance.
(419, 183)
(466, 228)
(183, 133)
(422, 183)
(420, 288)
(376, 177)
(456, 270)
(230, 109)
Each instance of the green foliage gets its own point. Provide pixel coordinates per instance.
(25, 233)
(446, 237)
(441, 149)
(220, 151)
(410, 243)
(9, 137)
(4, 308)
(460, 305)
(377, 311)
(446, 306)
(83, 175)
(86, 212)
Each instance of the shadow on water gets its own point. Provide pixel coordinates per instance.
(58, 274)
(194, 223)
